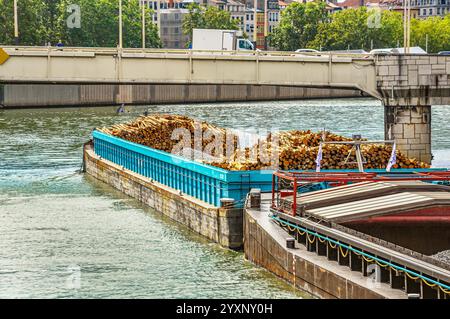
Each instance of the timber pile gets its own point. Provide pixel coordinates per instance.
(297, 150)
(164, 132)
(290, 150)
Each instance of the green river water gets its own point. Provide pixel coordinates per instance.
(66, 235)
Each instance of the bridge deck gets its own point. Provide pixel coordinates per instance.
(108, 65)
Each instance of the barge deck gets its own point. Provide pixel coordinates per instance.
(333, 272)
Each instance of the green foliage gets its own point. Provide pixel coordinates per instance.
(43, 21)
(360, 29)
(200, 17)
(438, 31)
(31, 22)
(307, 25)
(298, 26)
(302, 25)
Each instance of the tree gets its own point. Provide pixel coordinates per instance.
(100, 25)
(194, 19)
(43, 21)
(436, 29)
(360, 29)
(298, 26)
(31, 26)
(207, 18)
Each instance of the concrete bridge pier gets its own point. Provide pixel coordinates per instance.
(410, 126)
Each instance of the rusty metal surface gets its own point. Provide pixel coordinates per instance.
(351, 202)
(363, 190)
(373, 245)
(380, 205)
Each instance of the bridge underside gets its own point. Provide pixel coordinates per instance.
(47, 95)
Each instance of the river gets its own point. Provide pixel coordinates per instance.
(66, 235)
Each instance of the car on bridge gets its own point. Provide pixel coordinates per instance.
(306, 51)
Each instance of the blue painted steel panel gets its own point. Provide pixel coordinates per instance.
(205, 182)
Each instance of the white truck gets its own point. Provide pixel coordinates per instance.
(220, 40)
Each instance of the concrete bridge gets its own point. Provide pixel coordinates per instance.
(407, 84)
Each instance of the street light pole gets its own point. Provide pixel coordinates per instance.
(16, 24)
(255, 25)
(406, 25)
(265, 18)
(120, 25)
(265, 24)
(409, 26)
(143, 24)
(158, 17)
(405, 22)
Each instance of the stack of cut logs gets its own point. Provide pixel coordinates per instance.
(169, 133)
(289, 150)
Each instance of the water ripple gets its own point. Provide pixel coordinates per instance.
(66, 235)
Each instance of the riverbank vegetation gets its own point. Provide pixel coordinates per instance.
(303, 25)
(86, 24)
(308, 25)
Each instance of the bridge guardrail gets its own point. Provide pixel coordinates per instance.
(95, 50)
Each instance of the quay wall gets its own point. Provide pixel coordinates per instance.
(220, 225)
(35, 95)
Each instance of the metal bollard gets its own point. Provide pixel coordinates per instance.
(255, 198)
(290, 243)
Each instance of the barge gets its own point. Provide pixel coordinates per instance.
(215, 203)
(370, 237)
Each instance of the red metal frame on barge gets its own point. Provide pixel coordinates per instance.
(397, 198)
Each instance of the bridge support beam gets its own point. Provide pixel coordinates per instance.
(410, 126)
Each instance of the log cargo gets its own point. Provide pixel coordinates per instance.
(289, 150)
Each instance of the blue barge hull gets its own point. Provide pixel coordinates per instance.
(202, 181)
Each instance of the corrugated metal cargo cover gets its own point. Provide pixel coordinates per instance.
(363, 190)
(378, 205)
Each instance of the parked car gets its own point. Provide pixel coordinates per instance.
(412, 50)
(383, 51)
(306, 51)
(444, 53)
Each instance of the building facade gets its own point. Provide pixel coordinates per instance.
(430, 8)
(419, 8)
(173, 12)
